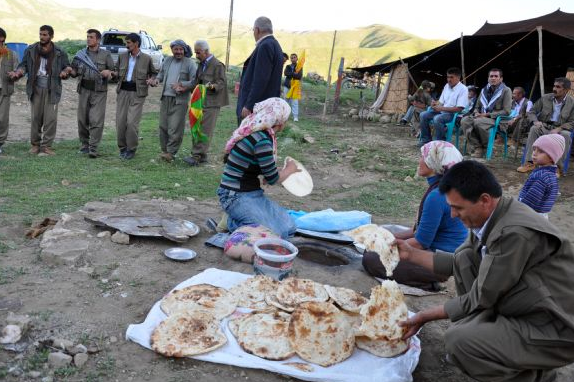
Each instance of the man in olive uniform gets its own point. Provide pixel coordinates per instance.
(211, 73)
(8, 63)
(178, 76)
(135, 73)
(93, 66)
(513, 317)
(46, 65)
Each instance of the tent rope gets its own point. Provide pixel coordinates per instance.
(499, 54)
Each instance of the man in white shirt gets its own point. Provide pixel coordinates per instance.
(453, 99)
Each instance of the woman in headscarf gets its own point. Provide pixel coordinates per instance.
(252, 152)
(434, 227)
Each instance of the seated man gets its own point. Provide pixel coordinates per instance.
(469, 109)
(495, 99)
(418, 103)
(520, 106)
(552, 113)
(513, 317)
(453, 99)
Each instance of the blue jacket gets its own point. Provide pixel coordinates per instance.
(261, 76)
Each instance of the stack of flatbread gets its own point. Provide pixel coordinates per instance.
(321, 324)
(378, 240)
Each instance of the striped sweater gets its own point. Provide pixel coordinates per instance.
(250, 157)
(541, 189)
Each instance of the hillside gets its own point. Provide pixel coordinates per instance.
(361, 46)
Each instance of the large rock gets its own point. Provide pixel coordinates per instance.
(10, 334)
(121, 238)
(61, 245)
(80, 359)
(59, 359)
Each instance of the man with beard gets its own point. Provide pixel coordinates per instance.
(94, 67)
(553, 113)
(135, 73)
(494, 100)
(46, 65)
(8, 62)
(177, 75)
(211, 73)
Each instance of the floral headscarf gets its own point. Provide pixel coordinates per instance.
(439, 156)
(266, 114)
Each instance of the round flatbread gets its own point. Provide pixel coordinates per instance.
(266, 335)
(382, 347)
(346, 299)
(320, 333)
(354, 320)
(295, 291)
(201, 297)
(185, 334)
(251, 293)
(271, 299)
(235, 321)
(382, 314)
(299, 183)
(377, 239)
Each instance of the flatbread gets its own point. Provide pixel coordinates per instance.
(346, 299)
(320, 333)
(266, 335)
(378, 240)
(382, 347)
(271, 299)
(251, 293)
(235, 321)
(300, 366)
(299, 183)
(354, 320)
(385, 309)
(186, 334)
(295, 291)
(201, 297)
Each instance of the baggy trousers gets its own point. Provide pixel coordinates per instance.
(171, 124)
(44, 118)
(207, 127)
(128, 116)
(91, 116)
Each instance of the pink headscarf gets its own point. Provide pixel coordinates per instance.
(266, 114)
(439, 156)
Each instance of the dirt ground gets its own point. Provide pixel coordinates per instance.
(102, 287)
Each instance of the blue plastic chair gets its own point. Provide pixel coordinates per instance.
(492, 135)
(452, 126)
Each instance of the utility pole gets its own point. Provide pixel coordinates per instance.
(329, 77)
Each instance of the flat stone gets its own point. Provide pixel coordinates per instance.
(77, 349)
(93, 349)
(309, 139)
(59, 359)
(80, 359)
(113, 339)
(104, 234)
(34, 374)
(408, 179)
(64, 246)
(10, 334)
(62, 343)
(120, 238)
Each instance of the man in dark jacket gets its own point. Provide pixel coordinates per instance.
(261, 76)
(46, 65)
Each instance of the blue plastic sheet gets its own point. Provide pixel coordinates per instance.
(332, 221)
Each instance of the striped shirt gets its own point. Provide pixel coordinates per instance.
(250, 157)
(541, 189)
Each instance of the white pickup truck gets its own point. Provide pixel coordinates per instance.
(113, 40)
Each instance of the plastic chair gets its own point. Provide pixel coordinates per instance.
(492, 135)
(452, 126)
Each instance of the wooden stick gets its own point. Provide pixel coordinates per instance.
(228, 50)
(462, 58)
(329, 77)
(540, 67)
(379, 75)
(533, 85)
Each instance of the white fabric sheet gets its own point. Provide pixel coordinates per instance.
(360, 367)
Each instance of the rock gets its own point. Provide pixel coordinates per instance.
(189, 198)
(177, 185)
(61, 343)
(353, 112)
(15, 371)
(60, 245)
(87, 270)
(80, 359)
(65, 182)
(408, 179)
(23, 321)
(113, 339)
(309, 139)
(346, 186)
(77, 349)
(104, 234)
(59, 359)
(93, 349)
(34, 374)
(11, 334)
(120, 238)
(48, 379)
(65, 218)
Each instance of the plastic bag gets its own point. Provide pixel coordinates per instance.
(333, 221)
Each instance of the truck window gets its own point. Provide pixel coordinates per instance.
(114, 39)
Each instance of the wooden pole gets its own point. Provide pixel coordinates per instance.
(229, 35)
(409, 73)
(379, 75)
(462, 58)
(540, 67)
(533, 86)
(338, 86)
(329, 77)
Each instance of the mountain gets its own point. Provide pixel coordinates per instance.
(363, 46)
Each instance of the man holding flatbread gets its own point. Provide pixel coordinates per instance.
(513, 317)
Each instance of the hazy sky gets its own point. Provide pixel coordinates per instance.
(433, 19)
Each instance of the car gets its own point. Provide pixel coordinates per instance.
(114, 41)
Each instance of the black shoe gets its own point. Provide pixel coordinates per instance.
(403, 122)
(93, 154)
(129, 154)
(84, 150)
(211, 224)
(192, 161)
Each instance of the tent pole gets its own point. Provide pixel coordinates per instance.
(540, 67)
(228, 49)
(462, 58)
(329, 77)
(379, 75)
(533, 86)
(409, 73)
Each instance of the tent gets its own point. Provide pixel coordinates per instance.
(513, 47)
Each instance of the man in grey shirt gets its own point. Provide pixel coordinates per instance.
(178, 76)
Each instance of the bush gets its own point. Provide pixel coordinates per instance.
(71, 47)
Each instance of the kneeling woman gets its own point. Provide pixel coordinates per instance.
(434, 228)
(250, 152)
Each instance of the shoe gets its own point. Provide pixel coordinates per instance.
(47, 151)
(168, 157)
(403, 122)
(211, 224)
(477, 153)
(129, 154)
(93, 154)
(295, 119)
(34, 149)
(84, 150)
(192, 161)
(526, 167)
